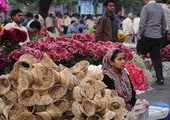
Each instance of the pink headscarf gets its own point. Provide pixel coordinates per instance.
(123, 85)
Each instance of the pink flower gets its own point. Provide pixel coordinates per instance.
(14, 35)
(25, 50)
(3, 6)
(165, 53)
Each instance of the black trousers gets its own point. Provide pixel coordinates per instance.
(65, 30)
(152, 46)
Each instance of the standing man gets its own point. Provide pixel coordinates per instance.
(151, 29)
(49, 23)
(67, 22)
(136, 22)
(118, 15)
(106, 28)
(127, 28)
(17, 17)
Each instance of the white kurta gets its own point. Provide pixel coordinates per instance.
(127, 26)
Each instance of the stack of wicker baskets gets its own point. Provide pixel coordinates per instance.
(41, 90)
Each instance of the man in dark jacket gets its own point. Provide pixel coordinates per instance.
(106, 28)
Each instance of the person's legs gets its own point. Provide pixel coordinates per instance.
(143, 46)
(156, 59)
(65, 30)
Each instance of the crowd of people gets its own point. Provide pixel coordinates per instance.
(60, 25)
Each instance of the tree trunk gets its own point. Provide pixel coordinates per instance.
(44, 6)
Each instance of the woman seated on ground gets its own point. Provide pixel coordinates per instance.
(37, 30)
(116, 78)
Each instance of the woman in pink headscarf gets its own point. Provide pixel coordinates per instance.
(117, 78)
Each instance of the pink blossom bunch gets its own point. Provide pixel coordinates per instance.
(165, 53)
(25, 50)
(14, 35)
(84, 37)
(59, 49)
(3, 6)
(137, 77)
(126, 50)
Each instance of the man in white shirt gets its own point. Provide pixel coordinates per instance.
(127, 28)
(17, 17)
(49, 23)
(136, 22)
(67, 22)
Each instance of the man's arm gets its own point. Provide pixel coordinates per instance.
(99, 30)
(143, 21)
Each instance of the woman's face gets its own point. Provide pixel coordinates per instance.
(119, 62)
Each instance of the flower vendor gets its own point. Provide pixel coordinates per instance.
(17, 17)
(37, 30)
(117, 78)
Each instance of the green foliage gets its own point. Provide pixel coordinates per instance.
(33, 6)
(90, 31)
(138, 60)
(36, 37)
(26, 2)
(68, 36)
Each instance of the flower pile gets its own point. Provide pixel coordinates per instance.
(137, 77)
(139, 62)
(3, 6)
(165, 53)
(14, 35)
(121, 37)
(11, 39)
(25, 50)
(70, 51)
(84, 37)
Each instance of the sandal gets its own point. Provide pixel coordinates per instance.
(160, 82)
